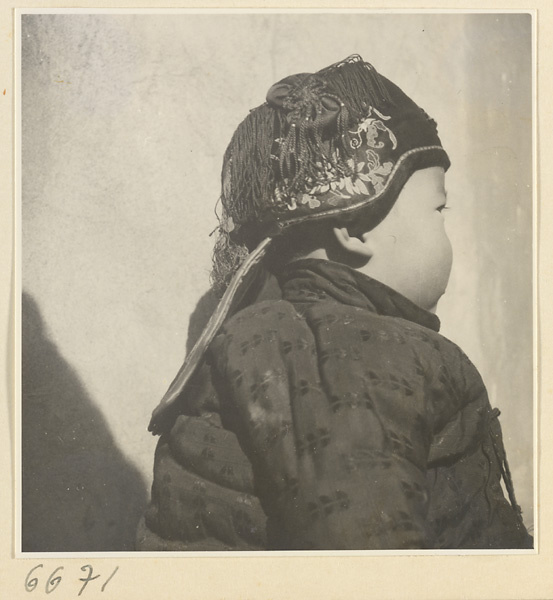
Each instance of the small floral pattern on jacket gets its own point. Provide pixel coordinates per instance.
(334, 418)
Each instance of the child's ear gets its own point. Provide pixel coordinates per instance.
(362, 246)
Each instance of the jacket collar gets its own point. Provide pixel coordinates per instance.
(312, 280)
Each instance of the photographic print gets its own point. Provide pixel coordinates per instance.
(277, 282)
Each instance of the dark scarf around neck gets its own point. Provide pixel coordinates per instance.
(311, 280)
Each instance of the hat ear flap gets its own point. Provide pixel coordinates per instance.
(241, 283)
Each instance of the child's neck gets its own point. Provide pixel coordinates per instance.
(320, 253)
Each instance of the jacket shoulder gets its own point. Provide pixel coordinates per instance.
(261, 313)
(259, 328)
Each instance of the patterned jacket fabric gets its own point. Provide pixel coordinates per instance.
(335, 417)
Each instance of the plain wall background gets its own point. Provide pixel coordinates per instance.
(125, 119)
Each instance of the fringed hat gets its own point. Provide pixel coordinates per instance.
(340, 143)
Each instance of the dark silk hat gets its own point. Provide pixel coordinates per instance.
(337, 144)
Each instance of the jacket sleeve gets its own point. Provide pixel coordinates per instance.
(202, 492)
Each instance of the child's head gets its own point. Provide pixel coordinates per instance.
(340, 164)
(408, 250)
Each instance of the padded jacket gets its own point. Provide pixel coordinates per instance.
(333, 416)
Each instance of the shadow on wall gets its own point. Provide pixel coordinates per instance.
(79, 493)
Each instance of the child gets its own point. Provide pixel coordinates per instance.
(321, 408)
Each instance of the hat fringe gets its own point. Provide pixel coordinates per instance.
(357, 84)
(248, 174)
(274, 147)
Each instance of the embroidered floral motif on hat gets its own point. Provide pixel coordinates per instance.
(364, 174)
(371, 126)
(333, 144)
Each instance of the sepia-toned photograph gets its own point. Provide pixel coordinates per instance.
(276, 285)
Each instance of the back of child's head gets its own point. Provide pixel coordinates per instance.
(334, 146)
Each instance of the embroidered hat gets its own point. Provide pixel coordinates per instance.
(339, 143)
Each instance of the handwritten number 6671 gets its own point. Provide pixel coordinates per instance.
(54, 580)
